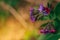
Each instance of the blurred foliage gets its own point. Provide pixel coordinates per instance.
(17, 3)
(57, 11)
(3, 14)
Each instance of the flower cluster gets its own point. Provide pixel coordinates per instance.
(36, 13)
(48, 29)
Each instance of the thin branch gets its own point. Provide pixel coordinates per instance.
(14, 13)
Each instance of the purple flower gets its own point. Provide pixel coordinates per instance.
(32, 18)
(52, 30)
(45, 13)
(31, 10)
(42, 31)
(41, 8)
(31, 15)
(46, 31)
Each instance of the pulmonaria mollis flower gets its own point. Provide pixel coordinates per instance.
(52, 30)
(31, 10)
(48, 29)
(44, 10)
(45, 13)
(47, 10)
(32, 18)
(41, 8)
(35, 13)
(44, 30)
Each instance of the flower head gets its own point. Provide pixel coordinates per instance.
(41, 8)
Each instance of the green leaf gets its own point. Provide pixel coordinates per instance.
(54, 37)
(44, 18)
(52, 15)
(43, 25)
(57, 10)
(12, 3)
